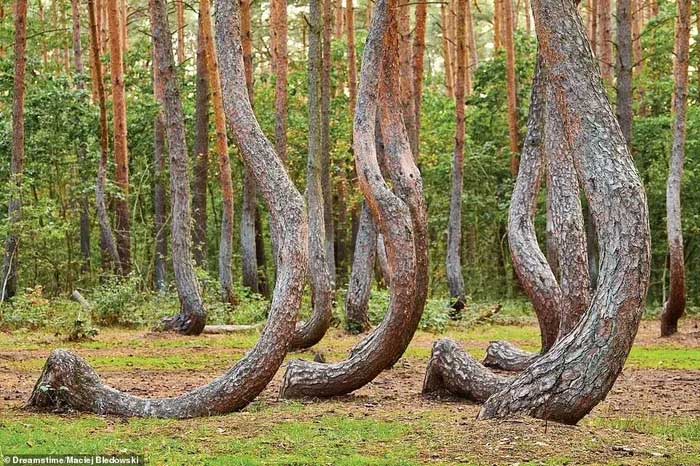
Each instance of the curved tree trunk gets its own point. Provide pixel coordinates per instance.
(455, 280)
(226, 239)
(121, 155)
(8, 285)
(577, 373)
(675, 305)
(67, 382)
(201, 149)
(107, 238)
(311, 332)
(193, 315)
(362, 276)
(402, 220)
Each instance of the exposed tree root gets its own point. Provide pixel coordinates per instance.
(508, 357)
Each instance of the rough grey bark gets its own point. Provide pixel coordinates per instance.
(193, 315)
(577, 373)
(624, 65)
(312, 331)
(67, 382)
(401, 218)
(159, 193)
(107, 238)
(326, 183)
(534, 273)
(455, 280)
(8, 285)
(382, 260)
(82, 145)
(201, 153)
(675, 304)
(362, 276)
(567, 219)
(248, 251)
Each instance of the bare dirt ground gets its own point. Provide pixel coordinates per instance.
(608, 435)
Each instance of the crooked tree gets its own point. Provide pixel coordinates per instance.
(579, 370)
(675, 304)
(67, 382)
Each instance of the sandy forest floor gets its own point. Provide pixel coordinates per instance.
(652, 415)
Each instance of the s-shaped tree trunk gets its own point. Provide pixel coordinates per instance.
(401, 217)
(675, 305)
(579, 370)
(68, 382)
(310, 332)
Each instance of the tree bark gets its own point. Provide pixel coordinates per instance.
(107, 238)
(225, 179)
(498, 25)
(82, 146)
(67, 382)
(577, 373)
(471, 43)
(159, 193)
(605, 45)
(446, 55)
(180, 7)
(279, 47)
(455, 280)
(406, 77)
(401, 218)
(193, 315)
(352, 61)
(311, 332)
(593, 31)
(624, 68)
(121, 155)
(513, 124)
(675, 304)
(201, 150)
(326, 182)
(362, 276)
(418, 59)
(11, 259)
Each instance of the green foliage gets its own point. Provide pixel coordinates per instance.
(435, 316)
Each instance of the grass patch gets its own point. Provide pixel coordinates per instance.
(668, 428)
(660, 357)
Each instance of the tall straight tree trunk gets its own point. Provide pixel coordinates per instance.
(498, 25)
(637, 26)
(455, 280)
(279, 47)
(418, 59)
(513, 124)
(605, 45)
(310, 332)
(326, 182)
(593, 28)
(446, 55)
(407, 80)
(201, 152)
(159, 193)
(362, 275)
(82, 147)
(69, 383)
(124, 20)
(192, 316)
(121, 154)
(402, 217)
(180, 7)
(14, 214)
(225, 179)
(624, 68)
(339, 19)
(577, 373)
(107, 237)
(352, 61)
(471, 42)
(675, 304)
(253, 277)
